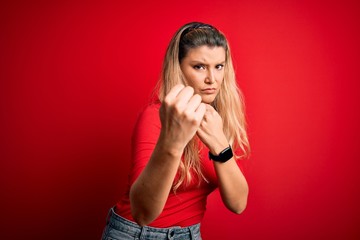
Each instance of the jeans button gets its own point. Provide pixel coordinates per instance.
(171, 234)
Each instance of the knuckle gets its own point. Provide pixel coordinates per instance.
(189, 89)
(177, 108)
(179, 85)
(167, 101)
(197, 96)
(193, 121)
(189, 116)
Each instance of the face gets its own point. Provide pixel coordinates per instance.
(203, 68)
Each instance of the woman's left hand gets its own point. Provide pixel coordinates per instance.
(211, 131)
(232, 183)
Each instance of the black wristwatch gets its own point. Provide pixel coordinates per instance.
(223, 156)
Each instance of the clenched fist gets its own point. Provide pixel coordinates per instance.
(181, 113)
(211, 131)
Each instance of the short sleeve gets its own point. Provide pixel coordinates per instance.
(144, 139)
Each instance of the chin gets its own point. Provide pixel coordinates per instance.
(208, 99)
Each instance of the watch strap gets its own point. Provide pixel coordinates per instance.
(223, 156)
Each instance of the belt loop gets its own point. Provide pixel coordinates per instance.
(195, 233)
(192, 237)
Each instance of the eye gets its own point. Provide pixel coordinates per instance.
(220, 66)
(199, 67)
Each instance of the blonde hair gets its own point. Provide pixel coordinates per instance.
(229, 102)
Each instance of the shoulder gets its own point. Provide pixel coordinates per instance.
(149, 118)
(150, 112)
(151, 108)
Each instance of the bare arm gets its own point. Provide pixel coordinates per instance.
(233, 186)
(180, 115)
(232, 183)
(149, 192)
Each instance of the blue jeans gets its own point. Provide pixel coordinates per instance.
(119, 228)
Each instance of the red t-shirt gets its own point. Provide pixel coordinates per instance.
(185, 207)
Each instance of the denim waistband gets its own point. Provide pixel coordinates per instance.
(133, 229)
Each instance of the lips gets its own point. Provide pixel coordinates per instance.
(208, 90)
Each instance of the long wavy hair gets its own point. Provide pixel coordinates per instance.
(228, 103)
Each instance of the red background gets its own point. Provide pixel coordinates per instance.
(74, 75)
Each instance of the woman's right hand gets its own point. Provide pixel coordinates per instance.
(181, 113)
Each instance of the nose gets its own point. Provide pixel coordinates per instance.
(210, 77)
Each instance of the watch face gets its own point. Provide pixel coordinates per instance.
(224, 155)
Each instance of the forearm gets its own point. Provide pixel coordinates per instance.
(232, 185)
(150, 191)
(180, 114)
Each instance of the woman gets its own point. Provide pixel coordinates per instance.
(186, 144)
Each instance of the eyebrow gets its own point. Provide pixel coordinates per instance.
(202, 62)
